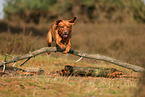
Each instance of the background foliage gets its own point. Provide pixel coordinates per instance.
(100, 11)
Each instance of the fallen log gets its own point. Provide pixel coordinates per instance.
(77, 53)
(90, 71)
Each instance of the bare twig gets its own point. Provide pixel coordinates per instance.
(14, 64)
(78, 60)
(25, 61)
(4, 67)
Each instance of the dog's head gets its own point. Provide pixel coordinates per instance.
(64, 27)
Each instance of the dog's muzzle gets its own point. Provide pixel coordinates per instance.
(65, 35)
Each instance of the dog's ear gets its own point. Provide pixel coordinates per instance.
(72, 21)
(58, 21)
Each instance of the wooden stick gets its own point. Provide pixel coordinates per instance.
(25, 61)
(77, 53)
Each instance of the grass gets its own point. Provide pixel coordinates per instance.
(53, 85)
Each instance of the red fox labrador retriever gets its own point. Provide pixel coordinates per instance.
(60, 32)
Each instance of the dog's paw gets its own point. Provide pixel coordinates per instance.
(63, 47)
(65, 52)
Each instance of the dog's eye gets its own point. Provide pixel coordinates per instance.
(61, 26)
(67, 26)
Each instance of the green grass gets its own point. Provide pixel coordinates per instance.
(53, 85)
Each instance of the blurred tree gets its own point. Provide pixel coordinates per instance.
(87, 10)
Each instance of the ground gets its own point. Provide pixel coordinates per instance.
(53, 85)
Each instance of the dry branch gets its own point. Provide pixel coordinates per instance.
(77, 53)
(13, 71)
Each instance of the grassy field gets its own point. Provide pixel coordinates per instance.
(54, 85)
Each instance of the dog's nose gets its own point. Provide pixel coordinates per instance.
(65, 32)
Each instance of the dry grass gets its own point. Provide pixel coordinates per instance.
(54, 85)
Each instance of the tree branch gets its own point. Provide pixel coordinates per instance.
(77, 53)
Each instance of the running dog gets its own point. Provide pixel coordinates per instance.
(60, 32)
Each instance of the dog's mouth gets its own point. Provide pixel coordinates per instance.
(65, 35)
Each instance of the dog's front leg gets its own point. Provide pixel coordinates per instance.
(68, 46)
(60, 44)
